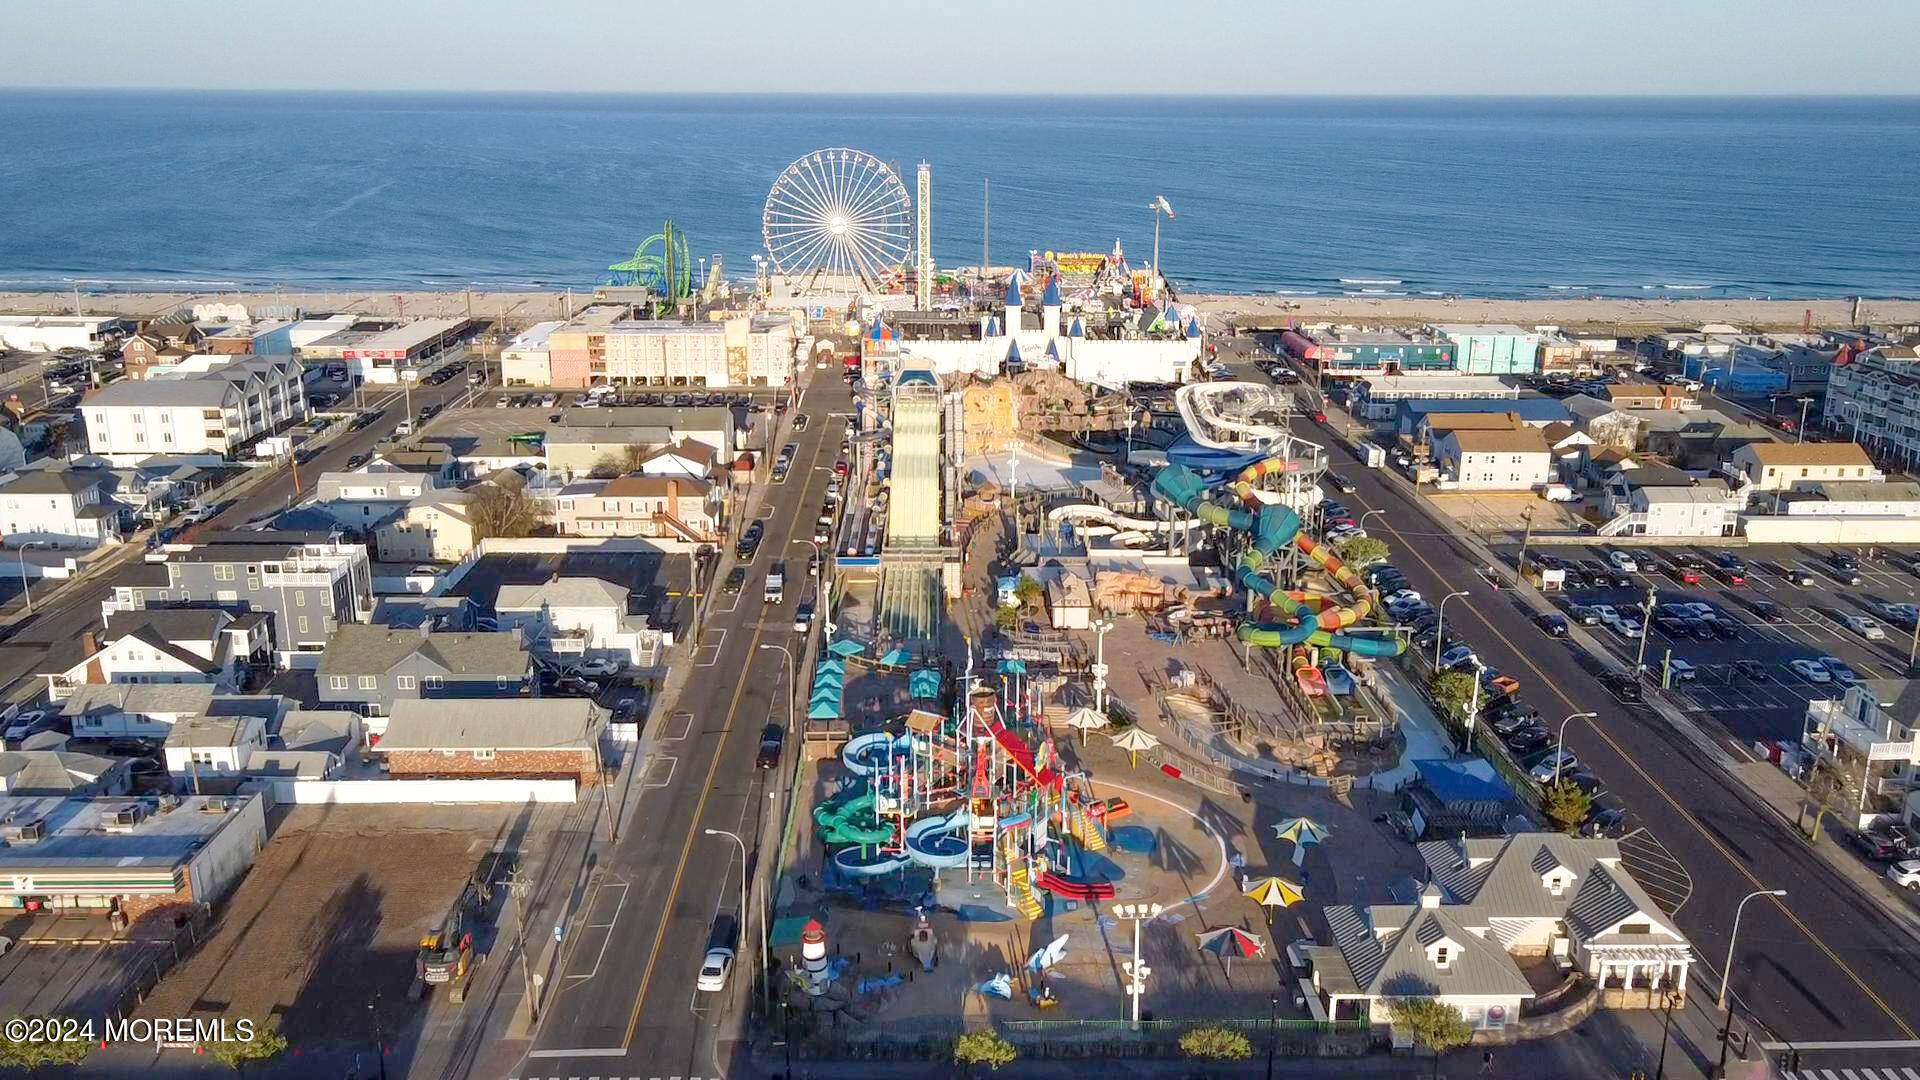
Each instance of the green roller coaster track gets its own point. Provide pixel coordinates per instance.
(661, 264)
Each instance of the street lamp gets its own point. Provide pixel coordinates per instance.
(24, 587)
(1362, 523)
(1726, 974)
(792, 688)
(1273, 1034)
(820, 605)
(1440, 623)
(742, 845)
(1100, 629)
(1136, 968)
(1561, 757)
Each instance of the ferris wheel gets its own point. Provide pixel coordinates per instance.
(838, 212)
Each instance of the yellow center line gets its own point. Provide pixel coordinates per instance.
(693, 826)
(1711, 840)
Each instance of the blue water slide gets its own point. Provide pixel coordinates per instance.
(939, 843)
(1186, 453)
(863, 861)
(873, 752)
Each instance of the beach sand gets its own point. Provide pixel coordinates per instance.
(1596, 313)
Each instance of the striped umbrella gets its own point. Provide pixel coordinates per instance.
(1230, 943)
(1273, 893)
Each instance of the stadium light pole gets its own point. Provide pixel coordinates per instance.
(1137, 970)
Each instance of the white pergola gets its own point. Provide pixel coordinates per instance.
(1640, 966)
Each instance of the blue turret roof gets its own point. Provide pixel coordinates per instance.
(1078, 329)
(1014, 299)
(1051, 298)
(1053, 348)
(993, 327)
(1013, 350)
(1193, 328)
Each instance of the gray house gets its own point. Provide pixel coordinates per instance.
(310, 585)
(371, 667)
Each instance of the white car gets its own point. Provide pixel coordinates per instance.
(1608, 614)
(1810, 671)
(502, 402)
(597, 669)
(1864, 626)
(1561, 761)
(1623, 562)
(1626, 626)
(1400, 596)
(714, 970)
(1905, 872)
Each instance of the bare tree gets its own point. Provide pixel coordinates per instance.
(504, 508)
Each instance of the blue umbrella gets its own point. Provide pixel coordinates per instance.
(896, 657)
(843, 647)
(823, 712)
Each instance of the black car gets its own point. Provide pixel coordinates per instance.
(1702, 629)
(1583, 615)
(1424, 623)
(1341, 484)
(736, 580)
(1844, 561)
(1529, 740)
(1672, 626)
(1727, 560)
(1876, 846)
(750, 540)
(1724, 629)
(358, 460)
(1767, 610)
(1554, 625)
(771, 740)
(1752, 669)
(1622, 685)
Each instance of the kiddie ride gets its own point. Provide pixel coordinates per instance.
(1282, 619)
(979, 792)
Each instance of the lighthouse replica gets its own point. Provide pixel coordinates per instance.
(813, 957)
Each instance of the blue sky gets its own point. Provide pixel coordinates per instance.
(1064, 47)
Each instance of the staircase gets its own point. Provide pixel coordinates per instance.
(1024, 897)
(1086, 831)
(1622, 525)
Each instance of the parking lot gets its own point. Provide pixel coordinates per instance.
(1745, 675)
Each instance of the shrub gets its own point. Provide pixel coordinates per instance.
(983, 1048)
(1216, 1044)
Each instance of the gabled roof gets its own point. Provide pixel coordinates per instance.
(51, 772)
(1500, 877)
(483, 724)
(562, 592)
(1386, 948)
(139, 698)
(53, 482)
(1808, 453)
(1521, 440)
(357, 649)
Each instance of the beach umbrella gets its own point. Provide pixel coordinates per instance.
(1302, 831)
(1133, 740)
(896, 656)
(1086, 720)
(1055, 951)
(843, 647)
(1273, 893)
(1013, 667)
(1232, 943)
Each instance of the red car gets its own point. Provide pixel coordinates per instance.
(1685, 574)
(840, 467)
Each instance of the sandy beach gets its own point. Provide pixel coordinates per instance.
(1597, 313)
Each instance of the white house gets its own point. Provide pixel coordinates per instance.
(434, 527)
(202, 748)
(1512, 460)
(1795, 466)
(1705, 509)
(578, 618)
(140, 711)
(361, 499)
(524, 361)
(215, 413)
(1487, 901)
(62, 508)
(167, 645)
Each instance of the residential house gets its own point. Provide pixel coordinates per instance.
(686, 459)
(1799, 465)
(133, 710)
(214, 414)
(308, 585)
(373, 667)
(638, 505)
(208, 753)
(1705, 442)
(1514, 460)
(569, 619)
(1706, 508)
(432, 527)
(1604, 423)
(1569, 447)
(311, 744)
(1862, 498)
(1534, 411)
(1434, 424)
(1873, 394)
(62, 772)
(364, 498)
(524, 362)
(167, 645)
(158, 344)
(1489, 904)
(1867, 741)
(1650, 396)
(436, 461)
(551, 738)
(59, 507)
(585, 437)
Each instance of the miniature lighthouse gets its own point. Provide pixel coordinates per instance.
(813, 957)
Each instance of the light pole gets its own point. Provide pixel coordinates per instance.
(1440, 623)
(1100, 629)
(1726, 974)
(1137, 969)
(1362, 523)
(820, 605)
(518, 887)
(1801, 434)
(1646, 623)
(1913, 650)
(1158, 207)
(24, 587)
(1273, 1035)
(792, 688)
(1562, 744)
(1473, 703)
(742, 845)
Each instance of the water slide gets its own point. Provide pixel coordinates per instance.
(841, 822)
(1128, 526)
(1074, 888)
(1021, 753)
(940, 843)
(1219, 415)
(1272, 528)
(874, 752)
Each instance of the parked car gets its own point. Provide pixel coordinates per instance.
(1680, 670)
(1767, 610)
(1456, 657)
(1583, 614)
(1340, 483)
(1837, 668)
(1864, 626)
(736, 580)
(1905, 873)
(1528, 740)
(1554, 625)
(772, 738)
(1810, 670)
(1622, 685)
(750, 540)
(1876, 846)
(1684, 574)
(1623, 562)
(1748, 668)
(598, 668)
(714, 969)
(803, 617)
(1558, 761)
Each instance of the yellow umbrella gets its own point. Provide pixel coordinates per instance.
(1133, 740)
(1275, 892)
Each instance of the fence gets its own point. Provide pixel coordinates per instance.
(1108, 1039)
(424, 791)
(159, 961)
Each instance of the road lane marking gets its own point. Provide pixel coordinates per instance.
(1628, 759)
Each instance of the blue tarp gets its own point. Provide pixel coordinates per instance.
(1456, 782)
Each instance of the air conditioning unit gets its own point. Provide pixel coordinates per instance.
(32, 831)
(128, 816)
(215, 804)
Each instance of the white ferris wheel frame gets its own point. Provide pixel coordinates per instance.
(838, 211)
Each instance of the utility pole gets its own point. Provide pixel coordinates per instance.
(1646, 622)
(518, 885)
(1526, 540)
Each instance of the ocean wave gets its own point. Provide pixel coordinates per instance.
(1686, 288)
(1371, 293)
(1370, 281)
(1568, 288)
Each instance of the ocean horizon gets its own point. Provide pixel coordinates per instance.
(1498, 197)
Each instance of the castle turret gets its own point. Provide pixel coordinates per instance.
(1015, 301)
(1050, 308)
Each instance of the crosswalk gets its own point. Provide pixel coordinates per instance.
(618, 1076)
(1855, 1073)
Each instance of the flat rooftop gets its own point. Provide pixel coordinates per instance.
(409, 336)
(1440, 383)
(81, 833)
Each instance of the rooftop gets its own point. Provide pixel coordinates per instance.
(486, 724)
(1515, 440)
(1869, 490)
(53, 482)
(82, 833)
(1446, 383)
(698, 418)
(358, 649)
(209, 731)
(412, 335)
(1808, 453)
(562, 592)
(1479, 329)
(51, 772)
(179, 699)
(1474, 421)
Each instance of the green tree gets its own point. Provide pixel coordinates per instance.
(1029, 591)
(1566, 805)
(1452, 691)
(983, 1048)
(235, 1053)
(1216, 1044)
(1006, 618)
(1435, 1025)
(503, 508)
(1359, 551)
(34, 1056)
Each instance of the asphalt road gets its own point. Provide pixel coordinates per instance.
(1824, 962)
(625, 1001)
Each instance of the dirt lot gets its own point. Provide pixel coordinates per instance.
(332, 913)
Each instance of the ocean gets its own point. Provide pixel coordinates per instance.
(1323, 196)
